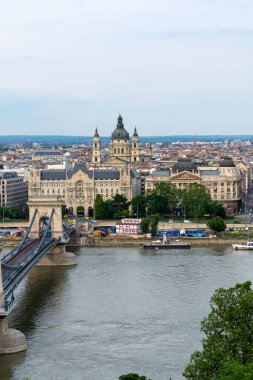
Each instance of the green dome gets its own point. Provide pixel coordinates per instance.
(120, 133)
(227, 163)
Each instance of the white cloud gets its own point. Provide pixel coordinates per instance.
(134, 57)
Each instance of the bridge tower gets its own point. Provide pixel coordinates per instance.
(43, 206)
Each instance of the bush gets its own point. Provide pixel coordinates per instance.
(217, 224)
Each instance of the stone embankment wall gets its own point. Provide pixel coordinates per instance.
(128, 241)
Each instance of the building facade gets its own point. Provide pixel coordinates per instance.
(79, 185)
(13, 189)
(224, 182)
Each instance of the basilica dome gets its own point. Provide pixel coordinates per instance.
(120, 133)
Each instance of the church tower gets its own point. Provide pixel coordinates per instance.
(119, 146)
(96, 151)
(135, 150)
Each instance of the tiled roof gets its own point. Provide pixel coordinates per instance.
(160, 173)
(53, 175)
(209, 172)
(47, 153)
(62, 174)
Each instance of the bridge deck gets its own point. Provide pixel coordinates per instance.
(20, 257)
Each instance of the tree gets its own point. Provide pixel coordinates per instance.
(217, 209)
(217, 224)
(170, 193)
(145, 222)
(139, 204)
(235, 371)
(162, 199)
(156, 204)
(108, 209)
(120, 203)
(154, 224)
(133, 376)
(121, 214)
(99, 207)
(195, 199)
(228, 334)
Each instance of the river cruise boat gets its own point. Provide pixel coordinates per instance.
(158, 244)
(246, 246)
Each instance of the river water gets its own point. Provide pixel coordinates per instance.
(119, 310)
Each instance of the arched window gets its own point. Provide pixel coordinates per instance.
(134, 145)
(115, 150)
(122, 150)
(96, 145)
(118, 150)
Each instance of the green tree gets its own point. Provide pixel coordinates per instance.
(195, 200)
(139, 204)
(99, 207)
(228, 333)
(217, 209)
(120, 203)
(154, 224)
(217, 224)
(145, 223)
(121, 214)
(170, 193)
(108, 209)
(235, 371)
(156, 204)
(133, 376)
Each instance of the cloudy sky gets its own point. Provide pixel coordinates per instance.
(168, 66)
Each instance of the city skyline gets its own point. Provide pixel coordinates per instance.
(178, 67)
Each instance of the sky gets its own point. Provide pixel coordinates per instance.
(169, 67)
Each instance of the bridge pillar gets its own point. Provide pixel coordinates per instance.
(58, 256)
(11, 340)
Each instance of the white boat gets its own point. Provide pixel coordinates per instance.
(246, 246)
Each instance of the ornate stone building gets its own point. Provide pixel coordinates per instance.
(122, 150)
(224, 181)
(79, 185)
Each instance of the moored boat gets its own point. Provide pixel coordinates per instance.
(246, 246)
(158, 244)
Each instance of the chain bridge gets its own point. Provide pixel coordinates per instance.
(43, 244)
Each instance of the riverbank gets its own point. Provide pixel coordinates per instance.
(138, 241)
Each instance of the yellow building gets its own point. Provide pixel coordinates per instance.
(79, 185)
(224, 181)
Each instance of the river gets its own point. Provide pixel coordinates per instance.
(119, 310)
